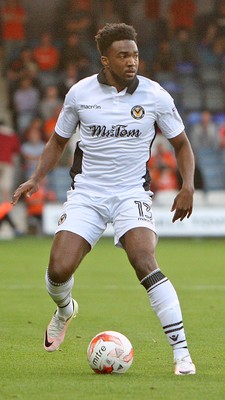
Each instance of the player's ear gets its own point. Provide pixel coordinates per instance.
(104, 61)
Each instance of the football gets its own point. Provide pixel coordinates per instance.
(110, 352)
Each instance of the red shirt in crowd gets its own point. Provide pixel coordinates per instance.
(13, 22)
(182, 14)
(46, 54)
(10, 145)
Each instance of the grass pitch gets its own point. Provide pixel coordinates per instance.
(110, 298)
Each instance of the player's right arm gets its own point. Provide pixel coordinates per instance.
(51, 155)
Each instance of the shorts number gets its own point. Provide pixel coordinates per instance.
(143, 208)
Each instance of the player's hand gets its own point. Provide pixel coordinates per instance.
(27, 188)
(183, 204)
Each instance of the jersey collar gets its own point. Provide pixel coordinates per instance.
(130, 89)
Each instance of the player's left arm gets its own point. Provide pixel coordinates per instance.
(183, 202)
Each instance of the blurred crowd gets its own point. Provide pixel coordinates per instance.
(182, 46)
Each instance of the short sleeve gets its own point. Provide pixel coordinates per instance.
(68, 117)
(168, 118)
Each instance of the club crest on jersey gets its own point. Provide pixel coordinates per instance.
(62, 219)
(137, 112)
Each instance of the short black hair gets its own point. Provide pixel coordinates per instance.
(111, 33)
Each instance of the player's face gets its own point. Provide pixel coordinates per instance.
(121, 62)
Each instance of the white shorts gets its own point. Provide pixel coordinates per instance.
(87, 214)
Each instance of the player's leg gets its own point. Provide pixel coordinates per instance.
(67, 252)
(79, 228)
(139, 244)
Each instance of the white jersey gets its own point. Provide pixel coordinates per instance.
(116, 129)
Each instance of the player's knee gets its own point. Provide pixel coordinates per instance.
(60, 269)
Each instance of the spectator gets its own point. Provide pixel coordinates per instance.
(204, 17)
(35, 205)
(183, 47)
(25, 102)
(163, 169)
(81, 22)
(143, 68)
(219, 51)
(36, 123)
(164, 64)
(10, 147)
(25, 65)
(142, 17)
(68, 11)
(49, 102)
(72, 51)
(69, 77)
(49, 124)
(222, 145)
(86, 67)
(204, 9)
(206, 146)
(58, 180)
(1, 56)
(31, 150)
(205, 44)
(106, 14)
(156, 12)
(181, 15)
(80, 5)
(218, 16)
(164, 69)
(206, 36)
(46, 54)
(5, 216)
(13, 18)
(205, 133)
(222, 136)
